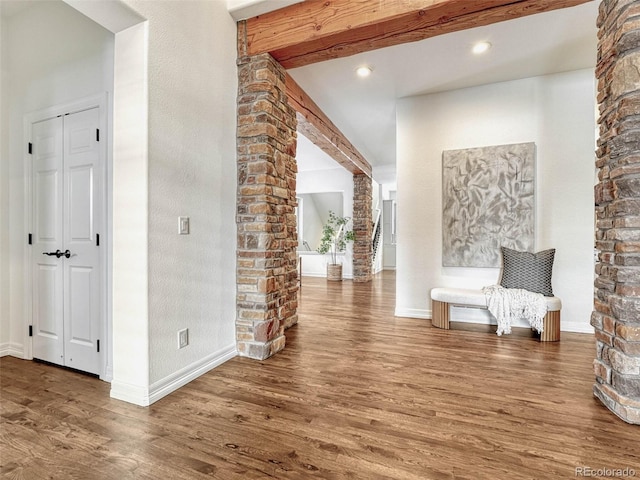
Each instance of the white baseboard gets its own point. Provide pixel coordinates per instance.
(180, 378)
(146, 396)
(12, 349)
(481, 316)
(576, 327)
(413, 313)
(129, 393)
(324, 275)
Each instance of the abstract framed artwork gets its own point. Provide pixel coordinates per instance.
(488, 202)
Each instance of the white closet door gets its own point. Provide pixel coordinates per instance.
(67, 204)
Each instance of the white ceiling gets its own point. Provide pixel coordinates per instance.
(365, 109)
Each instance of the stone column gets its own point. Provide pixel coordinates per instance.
(267, 277)
(362, 227)
(616, 318)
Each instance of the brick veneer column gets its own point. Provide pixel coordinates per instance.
(362, 227)
(617, 286)
(267, 277)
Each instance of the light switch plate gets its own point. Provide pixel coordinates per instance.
(183, 338)
(183, 225)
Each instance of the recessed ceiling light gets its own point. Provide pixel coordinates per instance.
(481, 47)
(364, 71)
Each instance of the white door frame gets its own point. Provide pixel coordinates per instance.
(101, 101)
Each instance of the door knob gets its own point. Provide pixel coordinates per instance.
(66, 253)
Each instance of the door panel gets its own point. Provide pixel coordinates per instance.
(46, 281)
(80, 203)
(49, 308)
(48, 322)
(48, 332)
(80, 280)
(47, 215)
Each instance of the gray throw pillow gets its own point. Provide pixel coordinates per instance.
(529, 271)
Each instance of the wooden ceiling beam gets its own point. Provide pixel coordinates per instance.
(316, 126)
(317, 30)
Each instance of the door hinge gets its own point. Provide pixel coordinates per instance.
(30, 146)
(98, 345)
(30, 239)
(31, 330)
(97, 134)
(97, 239)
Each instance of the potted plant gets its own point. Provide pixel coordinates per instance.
(334, 240)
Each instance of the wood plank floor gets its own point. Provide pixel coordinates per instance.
(356, 394)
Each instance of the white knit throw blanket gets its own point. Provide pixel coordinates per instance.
(507, 304)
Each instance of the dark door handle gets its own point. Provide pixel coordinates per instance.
(58, 254)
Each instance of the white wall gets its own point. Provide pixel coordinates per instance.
(319, 181)
(192, 169)
(130, 200)
(557, 113)
(4, 194)
(51, 55)
(312, 222)
(388, 240)
(376, 204)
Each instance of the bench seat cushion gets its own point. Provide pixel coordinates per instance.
(476, 298)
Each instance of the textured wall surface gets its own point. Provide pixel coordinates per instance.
(362, 228)
(191, 158)
(616, 315)
(5, 324)
(267, 276)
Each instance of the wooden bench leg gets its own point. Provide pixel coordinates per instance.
(440, 314)
(551, 330)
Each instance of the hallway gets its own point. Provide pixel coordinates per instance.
(357, 393)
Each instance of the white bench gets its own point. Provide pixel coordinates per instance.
(443, 298)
